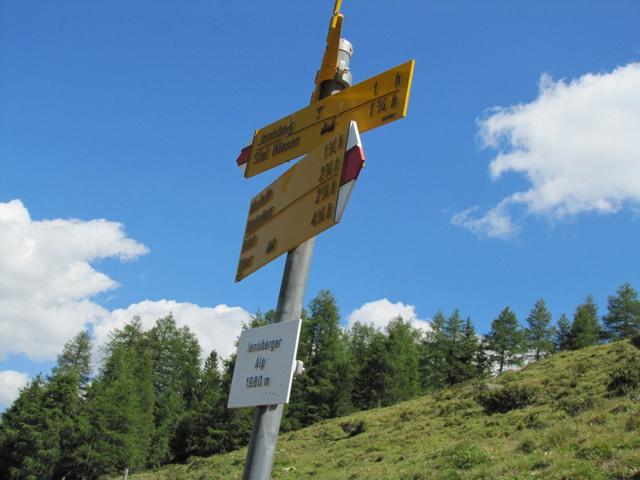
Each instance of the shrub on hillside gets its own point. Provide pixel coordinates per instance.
(455, 406)
(598, 451)
(527, 446)
(354, 427)
(576, 404)
(532, 420)
(501, 399)
(466, 456)
(635, 340)
(633, 422)
(626, 378)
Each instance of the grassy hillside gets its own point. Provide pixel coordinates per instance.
(575, 415)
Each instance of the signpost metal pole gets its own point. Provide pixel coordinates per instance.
(266, 424)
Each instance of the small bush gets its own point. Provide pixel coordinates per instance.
(354, 428)
(466, 456)
(491, 423)
(541, 464)
(622, 408)
(527, 446)
(598, 419)
(626, 378)
(505, 399)
(414, 476)
(633, 422)
(595, 452)
(405, 416)
(619, 347)
(635, 340)
(453, 421)
(558, 437)
(454, 406)
(583, 367)
(576, 404)
(534, 421)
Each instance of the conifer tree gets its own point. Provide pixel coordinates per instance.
(29, 439)
(461, 349)
(585, 329)
(134, 344)
(41, 429)
(562, 338)
(506, 340)
(483, 362)
(359, 335)
(453, 333)
(260, 319)
(117, 436)
(236, 423)
(200, 431)
(118, 417)
(433, 355)
(623, 316)
(540, 332)
(472, 357)
(372, 370)
(63, 406)
(209, 403)
(146, 396)
(175, 353)
(131, 336)
(328, 373)
(66, 391)
(76, 356)
(403, 359)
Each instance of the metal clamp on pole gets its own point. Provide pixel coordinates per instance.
(342, 78)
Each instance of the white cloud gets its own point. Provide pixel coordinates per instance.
(46, 278)
(496, 223)
(47, 282)
(216, 328)
(380, 312)
(10, 384)
(576, 144)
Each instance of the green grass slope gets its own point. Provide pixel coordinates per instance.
(575, 415)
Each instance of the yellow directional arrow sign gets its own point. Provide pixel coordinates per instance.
(372, 103)
(307, 199)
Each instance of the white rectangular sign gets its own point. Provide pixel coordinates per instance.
(264, 365)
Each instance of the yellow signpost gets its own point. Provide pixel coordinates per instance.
(311, 196)
(377, 101)
(302, 202)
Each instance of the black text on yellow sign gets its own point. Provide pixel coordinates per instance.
(299, 205)
(377, 101)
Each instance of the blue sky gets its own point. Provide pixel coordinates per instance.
(514, 176)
